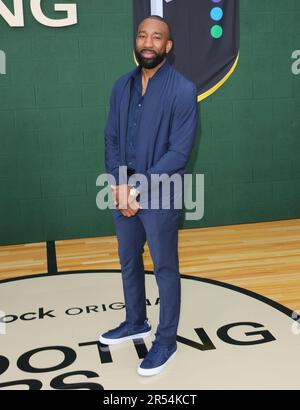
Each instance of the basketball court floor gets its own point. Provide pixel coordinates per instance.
(239, 326)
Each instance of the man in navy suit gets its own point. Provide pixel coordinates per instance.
(150, 130)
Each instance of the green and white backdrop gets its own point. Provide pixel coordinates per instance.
(55, 84)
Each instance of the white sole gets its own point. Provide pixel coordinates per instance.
(155, 370)
(107, 341)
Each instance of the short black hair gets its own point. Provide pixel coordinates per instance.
(156, 17)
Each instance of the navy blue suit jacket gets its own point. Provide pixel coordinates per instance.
(167, 126)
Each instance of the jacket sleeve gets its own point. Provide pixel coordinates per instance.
(112, 141)
(182, 135)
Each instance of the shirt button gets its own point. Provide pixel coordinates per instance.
(140, 105)
(134, 123)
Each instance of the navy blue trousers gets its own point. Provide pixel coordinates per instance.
(159, 227)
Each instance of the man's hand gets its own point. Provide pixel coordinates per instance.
(126, 203)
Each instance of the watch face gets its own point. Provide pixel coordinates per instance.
(133, 192)
(206, 38)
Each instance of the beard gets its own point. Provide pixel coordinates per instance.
(149, 62)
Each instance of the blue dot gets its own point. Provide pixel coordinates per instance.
(216, 13)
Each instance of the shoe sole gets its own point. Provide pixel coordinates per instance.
(155, 370)
(107, 341)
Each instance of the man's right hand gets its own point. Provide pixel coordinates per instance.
(125, 203)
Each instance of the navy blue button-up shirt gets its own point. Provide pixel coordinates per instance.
(135, 111)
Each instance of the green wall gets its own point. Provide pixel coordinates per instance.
(54, 102)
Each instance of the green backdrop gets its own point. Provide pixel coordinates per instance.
(54, 102)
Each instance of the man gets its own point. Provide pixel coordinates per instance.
(150, 129)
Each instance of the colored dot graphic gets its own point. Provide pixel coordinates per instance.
(216, 31)
(216, 14)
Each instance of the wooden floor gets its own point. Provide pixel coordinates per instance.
(262, 257)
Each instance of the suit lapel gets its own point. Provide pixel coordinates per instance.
(124, 106)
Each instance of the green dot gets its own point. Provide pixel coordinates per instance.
(216, 31)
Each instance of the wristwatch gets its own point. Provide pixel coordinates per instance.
(134, 192)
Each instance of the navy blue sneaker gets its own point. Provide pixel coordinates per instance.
(124, 332)
(156, 359)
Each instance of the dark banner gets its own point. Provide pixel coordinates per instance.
(205, 34)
